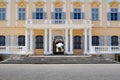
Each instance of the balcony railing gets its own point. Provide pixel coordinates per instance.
(57, 21)
(106, 49)
(12, 49)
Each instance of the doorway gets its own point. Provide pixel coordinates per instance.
(58, 45)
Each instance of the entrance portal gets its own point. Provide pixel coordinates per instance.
(58, 45)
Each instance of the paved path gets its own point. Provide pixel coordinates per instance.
(60, 72)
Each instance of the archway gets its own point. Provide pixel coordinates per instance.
(58, 45)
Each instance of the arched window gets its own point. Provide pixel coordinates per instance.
(114, 40)
(77, 42)
(39, 42)
(2, 40)
(21, 41)
(95, 40)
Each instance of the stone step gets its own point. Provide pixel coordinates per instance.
(61, 60)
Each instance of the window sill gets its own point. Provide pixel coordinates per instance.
(3, 20)
(20, 20)
(39, 48)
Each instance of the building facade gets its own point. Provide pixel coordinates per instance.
(45, 27)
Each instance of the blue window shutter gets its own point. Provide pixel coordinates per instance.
(119, 16)
(63, 15)
(82, 42)
(71, 15)
(44, 15)
(15, 40)
(108, 16)
(34, 15)
(102, 40)
(82, 15)
(108, 40)
(7, 40)
(53, 15)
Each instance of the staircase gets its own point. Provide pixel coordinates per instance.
(60, 60)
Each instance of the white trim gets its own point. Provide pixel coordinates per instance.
(52, 7)
(64, 7)
(90, 17)
(27, 11)
(83, 8)
(45, 9)
(8, 13)
(100, 15)
(16, 12)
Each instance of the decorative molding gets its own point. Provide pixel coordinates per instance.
(77, 4)
(95, 3)
(39, 3)
(114, 4)
(58, 3)
(3, 4)
(21, 3)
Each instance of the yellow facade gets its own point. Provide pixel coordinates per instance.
(13, 26)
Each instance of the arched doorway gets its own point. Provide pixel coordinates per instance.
(58, 45)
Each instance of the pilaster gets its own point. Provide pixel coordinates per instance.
(104, 13)
(13, 11)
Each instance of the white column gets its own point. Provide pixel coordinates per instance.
(85, 41)
(31, 40)
(71, 41)
(50, 41)
(26, 39)
(45, 42)
(90, 40)
(66, 41)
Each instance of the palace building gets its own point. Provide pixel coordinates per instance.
(60, 27)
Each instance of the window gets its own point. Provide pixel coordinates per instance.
(114, 14)
(2, 13)
(21, 41)
(58, 13)
(2, 40)
(77, 13)
(77, 42)
(95, 41)
(39, 42)
(39, 13)
(22, 14)
(95, 14)
(114, 40)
